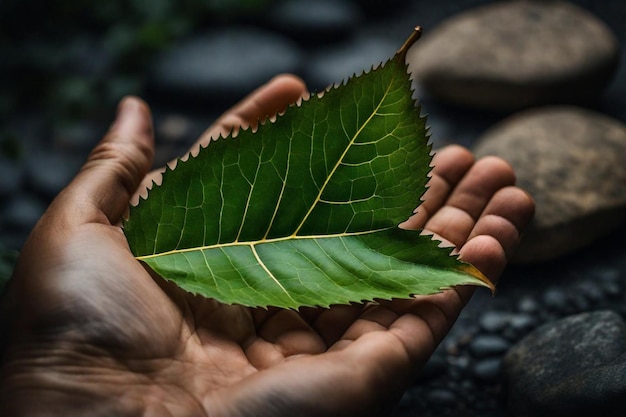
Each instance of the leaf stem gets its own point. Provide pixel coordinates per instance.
(415, 35)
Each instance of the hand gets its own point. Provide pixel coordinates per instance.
(89, 331)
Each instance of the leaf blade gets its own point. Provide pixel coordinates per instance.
(304, 210)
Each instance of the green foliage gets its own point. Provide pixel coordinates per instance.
(304, 211)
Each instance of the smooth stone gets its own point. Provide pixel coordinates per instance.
(493, 321)
(528, 304)
(571, 367)
(514, 54)
(318, 22)
(441, 396)
(335, 64)
(555, 299)
(572, 161)
(590, 291)
(487, 370)
(488, 345)
(522, 323)
(222, 66)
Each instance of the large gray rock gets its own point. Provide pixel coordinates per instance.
(573, 163)
(572, 367)
(514, 54)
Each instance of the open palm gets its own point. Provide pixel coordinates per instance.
(91, 331)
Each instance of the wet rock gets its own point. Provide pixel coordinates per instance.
(221, 67)
(572, 367)
(316, 22)
(515, 54)
(573, 163)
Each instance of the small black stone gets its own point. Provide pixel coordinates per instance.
(488, 345)
(441, 396)
(493, 321)
(528, 304)
(555, 299)
(487, 370)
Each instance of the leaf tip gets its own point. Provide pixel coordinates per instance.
(474, 272)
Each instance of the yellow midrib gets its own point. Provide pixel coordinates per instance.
(350, 143)
(255, 243)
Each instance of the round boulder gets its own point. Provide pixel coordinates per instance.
(572, 367)
(515, 54)
(573, 163)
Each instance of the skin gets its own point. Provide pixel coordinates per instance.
(90, 331)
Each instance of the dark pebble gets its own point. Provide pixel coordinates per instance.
(579, 302)
(592, 291)
(519, 326)
(487, 370)
(528, 304)
(441, 396)
(488, 345)
(493, 321)
(605, 274)
(612, 289)
(555, 299)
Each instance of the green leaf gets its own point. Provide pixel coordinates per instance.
(304, 211)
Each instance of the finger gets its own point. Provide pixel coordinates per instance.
(450, 164)
(507, 214)
(365, 379)
(115, 167)
(455, 220)
(331, 323)
(266, 101)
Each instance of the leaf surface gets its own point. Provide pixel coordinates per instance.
(304, 211)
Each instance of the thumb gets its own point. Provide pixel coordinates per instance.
(116, 166)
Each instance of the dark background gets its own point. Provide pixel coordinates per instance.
(65, 64)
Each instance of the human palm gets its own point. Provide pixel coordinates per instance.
(93, 332)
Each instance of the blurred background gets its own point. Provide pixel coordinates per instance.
(66, 63)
